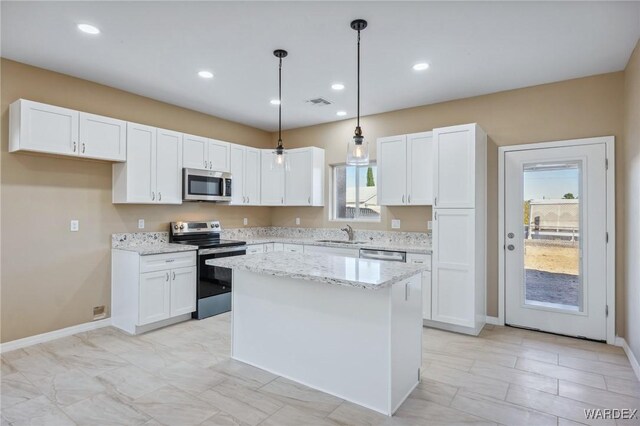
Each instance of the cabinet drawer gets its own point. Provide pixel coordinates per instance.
(160, 262)
(295, 248)
(420, 259)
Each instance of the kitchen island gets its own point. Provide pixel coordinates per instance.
(346, 326)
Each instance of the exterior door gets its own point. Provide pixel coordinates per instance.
(299, 179)
(183, 291)
(392, 176)
(169, 167)
(155, 297)
(420, 169)
(556, 240)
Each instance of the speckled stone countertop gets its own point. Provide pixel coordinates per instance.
(370, 245)
(147, 243)
(338, 270)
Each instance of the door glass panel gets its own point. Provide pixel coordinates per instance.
(552, 235)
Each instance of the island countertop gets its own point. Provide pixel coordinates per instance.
(339, 270)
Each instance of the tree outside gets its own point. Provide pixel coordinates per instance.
(569, 196)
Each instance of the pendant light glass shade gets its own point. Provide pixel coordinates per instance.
(280, 157)
(358, 147)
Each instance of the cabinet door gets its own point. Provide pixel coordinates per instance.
(236, 166)
(272, 181)
(47, 128)
(454, 161)
(183, 291)
(252, 176)
(452, 275)
(298, 181)
(155, 297)
(219, 155)
(392, 171)
(420, 169)
(169, 167)
(194, 152)
(141, 163)
(102, 138)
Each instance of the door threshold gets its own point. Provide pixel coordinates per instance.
(555, 334)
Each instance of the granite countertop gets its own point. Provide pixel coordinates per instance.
(338, 270)
(370, 245)
(156, 248)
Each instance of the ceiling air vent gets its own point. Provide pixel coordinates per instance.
(318, 102)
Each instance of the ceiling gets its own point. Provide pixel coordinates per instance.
(155, 49)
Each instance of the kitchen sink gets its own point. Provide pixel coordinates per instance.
(341, 241)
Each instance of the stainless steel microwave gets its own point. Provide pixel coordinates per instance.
(205, 185)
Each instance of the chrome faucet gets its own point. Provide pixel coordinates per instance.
(349, 231)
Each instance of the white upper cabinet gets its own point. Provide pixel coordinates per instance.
(204, 153)
(420, 169)
(271, 181)
(454, 180)
(304, 181)
(152, 172)
(405, 170)
(51, 129)
(102, 137)
(245, 173)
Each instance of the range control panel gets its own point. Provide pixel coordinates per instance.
(195, 227)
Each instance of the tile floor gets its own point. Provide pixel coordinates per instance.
(182, 375)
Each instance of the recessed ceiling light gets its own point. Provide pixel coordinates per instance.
(341, 113)
(275, 102)
(205, 74)
(337, 86)
(421, 66)
(89, 29)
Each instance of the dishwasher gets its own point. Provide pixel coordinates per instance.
(393, 256)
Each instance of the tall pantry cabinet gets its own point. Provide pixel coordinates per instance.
(459, 229)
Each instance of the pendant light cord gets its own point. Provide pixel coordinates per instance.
(280, 105)
(358, 124)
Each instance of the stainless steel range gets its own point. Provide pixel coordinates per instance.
(214, 283)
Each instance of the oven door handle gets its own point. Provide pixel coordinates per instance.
(221, 250)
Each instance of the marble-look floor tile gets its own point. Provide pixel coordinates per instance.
(222, 419)
(5, 367)
(249, 375)
(190, 378)
(39, 365)
(598, 397)
(626, 387)
(417, 412)
(521, 352)
(69, 387)
(349, 414)
(449, 360)
(15, 388)
(151, 359)
(301, 396)
(518, 377)
(432, 391)
(463, 380)
(297, 416)
(90, 360)
(107, 410)
(562, 372)
(130, 381)
(171, 406)
(604, 368)
(500, 411)
(37, 411)
(553, 404)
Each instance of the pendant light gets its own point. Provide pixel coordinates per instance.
(358, 148)
(280, 158)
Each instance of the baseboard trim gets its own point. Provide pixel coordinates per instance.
(53, 335)
(493, 320)
(632, 358)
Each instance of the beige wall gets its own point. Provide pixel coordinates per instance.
(52, 278)
(630, 162)
(571, 109)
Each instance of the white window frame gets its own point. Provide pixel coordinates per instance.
(332, 201)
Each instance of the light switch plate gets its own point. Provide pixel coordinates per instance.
(246, 221)
(140, 223)
(74, 225)
(297, 221)
(429, 225)
(395, 224)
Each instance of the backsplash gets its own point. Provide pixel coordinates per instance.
(384, 237)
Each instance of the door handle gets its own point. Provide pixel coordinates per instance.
(511, 247)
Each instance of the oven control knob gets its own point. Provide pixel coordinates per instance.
(181, 226)
(175, 226)
(216, 225)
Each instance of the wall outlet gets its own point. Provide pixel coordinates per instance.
(245, 221)
(297, 221)
(395, 224)
(99, 312)
(74, 225)
(140, 223)
(429, 225)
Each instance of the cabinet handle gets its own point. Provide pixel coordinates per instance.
(309, 200)
(435, 215)
(167, 276)
(153, 196)
(406, 291)
(174, 275)
(435, 202)
(159, 196)
(282, 200)
(74, 146)
(210, 165)
(403, 199)
(248, 199)
(409, 200)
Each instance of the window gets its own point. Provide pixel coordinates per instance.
(355, 195)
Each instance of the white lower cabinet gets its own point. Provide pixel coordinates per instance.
(335, 251)
(424, 259)
(151, 291)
